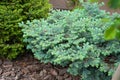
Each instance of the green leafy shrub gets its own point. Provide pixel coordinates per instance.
(75, 39)
(113, 32)
(114, 4)
(11, 13)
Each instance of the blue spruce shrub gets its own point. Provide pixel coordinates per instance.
(74, 39)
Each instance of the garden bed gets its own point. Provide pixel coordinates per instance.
(28, 68)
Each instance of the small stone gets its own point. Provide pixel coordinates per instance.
(68, 78)
(36, 76)
(7, 64)
(53, 72)
(1, 71)
(33, 79)
(47, 77)
(6, 74)
(43, 72)
(9, 78)
(66, 75)
(12, 74)
(25, 79)
(62, 71)
(7, 69)
(18, 75)
(17, 69)
(33, 68)
(59, 78)
(25, 71)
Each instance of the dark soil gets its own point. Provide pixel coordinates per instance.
(28, 68)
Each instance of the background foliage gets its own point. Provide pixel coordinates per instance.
(112, 3)
(75, 39)
(11, 13)
(113, 32)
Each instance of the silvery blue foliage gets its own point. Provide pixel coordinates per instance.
(74, 39)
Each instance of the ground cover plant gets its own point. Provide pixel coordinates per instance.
(75, 39)
(11, 13)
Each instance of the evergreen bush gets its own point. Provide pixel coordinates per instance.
(11, 13)
(75, 39)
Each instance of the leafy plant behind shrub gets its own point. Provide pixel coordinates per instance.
(113, 32)
(11, 13)
(75, 39)
(114, 4)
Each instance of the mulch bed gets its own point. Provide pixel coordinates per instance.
(27, 68)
